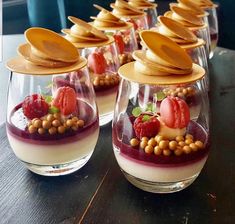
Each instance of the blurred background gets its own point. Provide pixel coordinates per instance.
(18, 15)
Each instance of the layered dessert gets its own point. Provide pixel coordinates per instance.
(131, 14)
(159, 141)
(101, 53)
(122, 32)
(149, 8)
(52, 130)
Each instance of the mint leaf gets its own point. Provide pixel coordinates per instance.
(48, 98)
(151, 107)
(159, 96)
(49, 85)
(145, 118)
(136, 111)
(53, 110)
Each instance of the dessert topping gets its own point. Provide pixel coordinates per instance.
(119, 42)
(97, 62)
(175, 112)
(34, 106)
(65, 100)
(146, 125)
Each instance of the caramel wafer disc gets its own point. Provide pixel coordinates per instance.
(186, 15)
(165, 51)
(199, 43)
(50, 45)
(186, 4)
(175, 29)
(142, 4)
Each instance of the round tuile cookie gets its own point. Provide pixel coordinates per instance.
(106, 19)
(49, 45)
(195, 9)
(164, 63)
(123, 9)
(186, 17)
(142, 4)
(205, 4)
(47, 54)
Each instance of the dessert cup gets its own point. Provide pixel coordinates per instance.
(158, 144)
(52, 129)
(101, 52)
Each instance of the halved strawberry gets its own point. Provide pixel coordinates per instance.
(65, 100)
(34, 106)
(175, 112)
(97, 62)
(146, 126)
(119, 42)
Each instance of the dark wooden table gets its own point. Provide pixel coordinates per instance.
(99, 193)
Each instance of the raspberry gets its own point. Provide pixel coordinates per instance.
(146, 126)
(34, 106)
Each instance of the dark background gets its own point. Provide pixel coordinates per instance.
(45, 13)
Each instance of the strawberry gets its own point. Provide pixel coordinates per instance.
(175, 112)
(65, 99)
(119, 42)
(34, 106)
(97, 62)
(146, 126)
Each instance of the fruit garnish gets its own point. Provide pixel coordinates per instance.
(146, 126)
(34, 106)
(119, 42)
(174, 112)
(65, 100)
(97, 62)
(54, 110)
(134, 24)
(137, 111)
(159, 96)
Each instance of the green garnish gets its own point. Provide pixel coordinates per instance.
(48, 98)
(54, 110)
(159, 96)
(151, 107)
(49, 85)
(136, 111)
(145, 118)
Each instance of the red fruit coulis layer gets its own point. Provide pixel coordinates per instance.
(123, 134)
(17, 127)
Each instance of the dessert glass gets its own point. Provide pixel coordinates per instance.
(103, 64)
(151, 16)
(153, 154)
(52, 143)
(213, 28)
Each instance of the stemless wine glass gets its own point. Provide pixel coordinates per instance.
(160, 126)
(52, 119)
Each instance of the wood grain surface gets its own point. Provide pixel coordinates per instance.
(99, 193)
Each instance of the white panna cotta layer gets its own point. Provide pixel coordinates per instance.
(53, 154)
(159, 173)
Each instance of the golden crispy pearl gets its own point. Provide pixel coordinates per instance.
(143, 144)
(157, 150)
(61, 129)
(185, 91)
(69, 123)
(41, 131)
(173, 145)
(144, 139)
(112, 82)
(108, 77)
(193, 147)
(188, 136)
(52, 130)
(188, 141)
(80, 123)
(166, 152)
(148, 149)
(57, 116)
(187, 149)
(181, 143)
(75, 127)
(56, 123)
(32, 129)
(101, 82)
(96, 82)
(134, 142)
(106, 82)
(37, 123)
(50, 117)
(163, 144)
(74, 119)
(46, 124)
(178, 152)
(152, 142)
(180, 95)
(199, 144)
(158, 138)
(179, 138)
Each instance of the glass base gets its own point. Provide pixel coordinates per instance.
(159, 187)
(105, 119)
(59, 169)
